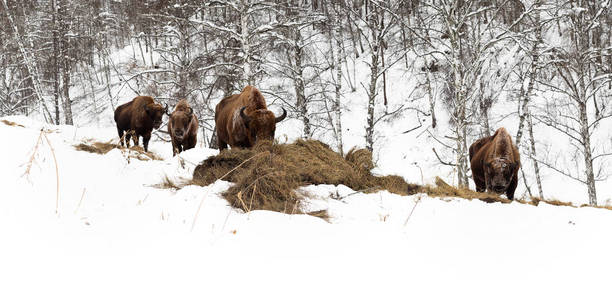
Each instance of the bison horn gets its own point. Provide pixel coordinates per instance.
(166, 109)
(190, 113)
(244, 117)
(282, 117)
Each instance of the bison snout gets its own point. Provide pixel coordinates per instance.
(499, 188)
(156, 125)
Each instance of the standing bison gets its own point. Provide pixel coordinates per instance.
(183, 128)
(138, 118)
(243, 119)
(495, 163)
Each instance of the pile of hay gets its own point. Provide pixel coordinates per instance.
(267, 175)
(103, 148)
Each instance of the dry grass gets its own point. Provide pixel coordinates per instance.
(443, 189)
(10, 123)
(104, 147)
(608, 207)
(267, 175)
(536, 201)
(168, 183)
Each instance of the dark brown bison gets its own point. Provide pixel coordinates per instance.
(243, 119)
(183, 127)
(495, 163)
(138, 118)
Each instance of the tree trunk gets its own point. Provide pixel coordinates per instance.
(66, 92)
(536, 167)
(588, 155)
(298, 81)
(31, 65)
(56, 69)
(337, 101)
(371, 99)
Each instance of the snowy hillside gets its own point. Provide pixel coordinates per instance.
(118, 234)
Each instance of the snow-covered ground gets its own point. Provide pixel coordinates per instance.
(116, 235)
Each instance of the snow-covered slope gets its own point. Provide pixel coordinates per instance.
(116, 235)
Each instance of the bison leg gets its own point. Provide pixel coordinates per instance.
(127, 137)
(120, 136)
(480, 185)
(145, 141)
(190, 144)
(174, 148)
(512, 187)
(222, 145)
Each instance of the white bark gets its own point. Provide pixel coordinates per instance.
(338, 92)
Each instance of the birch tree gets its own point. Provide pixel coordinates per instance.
(580, 80)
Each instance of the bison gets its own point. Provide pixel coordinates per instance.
(495, 163)
(138, 118)
(183, 128)
(243, 119)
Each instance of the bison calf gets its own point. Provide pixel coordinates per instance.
(243, 119)
(183, 128)
(495, 163)
(138, 118)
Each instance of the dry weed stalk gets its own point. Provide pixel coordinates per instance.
(43, 134)
(81, 200)
(56, 174)
(31, 160)
(412, 210)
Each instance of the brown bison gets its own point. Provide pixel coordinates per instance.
(495, 163)
(243, 119)
(183, 128)
(138, 118)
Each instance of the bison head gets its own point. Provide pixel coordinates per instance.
(180, 121)
(498, 174)
(155, 111)
(260, 124)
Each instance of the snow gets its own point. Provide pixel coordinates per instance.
(118, 236)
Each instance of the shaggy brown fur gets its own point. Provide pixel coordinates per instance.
(138, 118)
(183, 128)
(243, 119)
(495, 163)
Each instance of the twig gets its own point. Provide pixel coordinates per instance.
(441, 161)
(239, 195)
(412, 129)
(252, 196)
(411, 211)
(31, 161)
(56, 174)
(79, 205)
